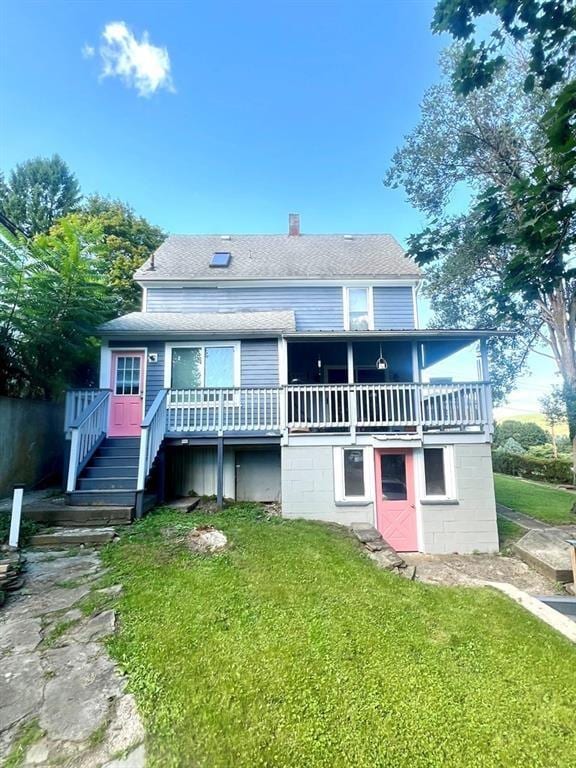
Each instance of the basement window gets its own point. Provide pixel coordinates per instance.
(439, 479)
(221, 259)
(351, 475)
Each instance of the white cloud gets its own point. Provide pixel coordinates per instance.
(138, 63)
(88, 51)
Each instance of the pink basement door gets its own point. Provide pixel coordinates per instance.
(395, 507)
(127, 397)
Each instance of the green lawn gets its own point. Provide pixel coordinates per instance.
(292, 650)
(551, 505)
(508, 532)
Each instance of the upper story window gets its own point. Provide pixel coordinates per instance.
(358, 311)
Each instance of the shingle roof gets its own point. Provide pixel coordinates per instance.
(187, 257)
(174, 323)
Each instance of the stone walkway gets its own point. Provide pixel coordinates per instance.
(57, 680)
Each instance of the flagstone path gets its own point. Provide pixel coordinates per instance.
(63, 700)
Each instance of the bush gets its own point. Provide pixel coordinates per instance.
(527, 433)
(532, 467)
(27, 528)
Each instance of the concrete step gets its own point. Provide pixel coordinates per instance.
(115, 470)
(73, 537)
(547, 552)
(102, 498)
(107, 483)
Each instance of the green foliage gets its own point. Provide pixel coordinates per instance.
(554, 407)
(508, 532)
(293, 649)
(28, 734)
(524, 432)
(551, 505)
(51, 301)
(127, 241)
(547, 28)
(27, 528)
(38, 193)
(531, 467)
(512, 446)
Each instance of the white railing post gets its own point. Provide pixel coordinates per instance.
(74, 460)
(142, 459)
(17, 499)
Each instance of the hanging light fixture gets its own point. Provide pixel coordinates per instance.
(381, 363)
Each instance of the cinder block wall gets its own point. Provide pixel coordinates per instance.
(308, 487)
(470, 525)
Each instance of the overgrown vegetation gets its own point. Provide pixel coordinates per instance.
(29, 734)
(27, 528)
(293, 649)
(551, 505)
(532, 467)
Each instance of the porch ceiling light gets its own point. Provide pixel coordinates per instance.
(381, 363)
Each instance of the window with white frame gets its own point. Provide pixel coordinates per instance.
(202, 365)
(438, 472)
(351, 474)
(358, 309)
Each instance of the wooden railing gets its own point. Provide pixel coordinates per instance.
(77, 400)
(328, 406)
(234, 409)
(151, 437)
(87, 432)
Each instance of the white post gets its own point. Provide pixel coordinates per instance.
(72, 467)
(142, 460)
(486, 386)
(16, 516)
(352, 415)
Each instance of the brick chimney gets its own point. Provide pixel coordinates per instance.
(293, 224)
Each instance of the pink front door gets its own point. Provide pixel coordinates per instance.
(127, 386)
(395, 507)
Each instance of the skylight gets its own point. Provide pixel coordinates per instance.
(220, 259)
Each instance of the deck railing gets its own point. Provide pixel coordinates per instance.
(328, 406)
(151, 437)
(233, 409)
(87, 432)
(77, 400)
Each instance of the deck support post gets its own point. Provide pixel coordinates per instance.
(352, 415)
(220, 473)
(487, 388)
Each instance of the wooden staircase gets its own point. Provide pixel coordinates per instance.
(110, 477)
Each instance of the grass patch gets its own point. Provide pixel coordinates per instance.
(29, 734)
(508, 532)
(551, 505)
(57, 631)
(292, 649)
(27, 528)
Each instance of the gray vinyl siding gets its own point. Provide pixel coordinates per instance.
(315, 307)
(393, 308)
(259, 363)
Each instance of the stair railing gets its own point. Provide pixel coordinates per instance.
(152, 435)
(87, 432)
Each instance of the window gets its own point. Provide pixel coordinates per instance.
(393, 473)
(127, 375)
(220, 259)
(351, 475)
(358, 309)
(435, 472)
(203, 365)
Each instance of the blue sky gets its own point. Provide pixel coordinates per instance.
(267, 108)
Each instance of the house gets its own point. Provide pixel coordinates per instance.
(289, 367)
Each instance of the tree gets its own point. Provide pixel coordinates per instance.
(127, 240)
(38, 193)
(51, 302)
(518, 232)
(554, 410)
